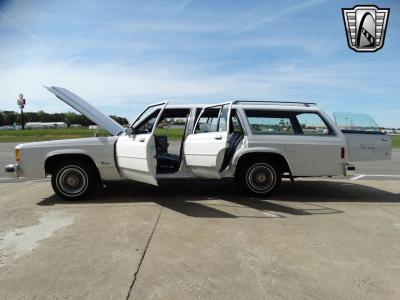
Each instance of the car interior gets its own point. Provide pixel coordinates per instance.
(235, 137)
(169, 135)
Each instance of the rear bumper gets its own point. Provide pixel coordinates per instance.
(12, 168)
(349, 169)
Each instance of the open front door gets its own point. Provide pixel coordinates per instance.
(365, 141)
(135, 152)
(205, 147)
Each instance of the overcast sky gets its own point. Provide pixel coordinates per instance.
(122, 55)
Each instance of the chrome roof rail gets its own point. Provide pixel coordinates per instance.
(308, 104)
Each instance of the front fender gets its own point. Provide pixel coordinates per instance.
(68, 151)
(103, 160)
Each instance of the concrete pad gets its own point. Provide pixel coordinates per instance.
(241, 248)
(324, 239)
(72, 251)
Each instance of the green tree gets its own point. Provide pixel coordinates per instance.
(9, 117)
(120, 120)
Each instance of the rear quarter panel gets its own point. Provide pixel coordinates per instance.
(306, 155)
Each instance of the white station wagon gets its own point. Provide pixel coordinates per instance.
(255, 142)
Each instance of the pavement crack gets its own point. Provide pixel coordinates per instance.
(391, 213)
(135, 275)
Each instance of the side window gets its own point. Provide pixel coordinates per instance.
(312, 124)
(235, 123)
(223, 119)
(267, 122)
(147, 125)
(213, 119)
(172, 123)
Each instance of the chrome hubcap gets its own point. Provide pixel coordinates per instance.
(72, 180)
(261, 178)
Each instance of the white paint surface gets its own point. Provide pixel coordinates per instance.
(20, 241)
(87, 110)
(204, 153)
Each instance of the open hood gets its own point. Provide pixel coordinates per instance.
(87, 110)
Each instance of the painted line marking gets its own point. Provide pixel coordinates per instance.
(357, 177)
(379, 175)
(271, 214)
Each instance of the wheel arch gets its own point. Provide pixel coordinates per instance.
(262, 154)
(52, 160)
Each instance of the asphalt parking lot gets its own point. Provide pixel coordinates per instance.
(315, 239)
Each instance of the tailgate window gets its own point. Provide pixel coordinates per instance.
(356, 123)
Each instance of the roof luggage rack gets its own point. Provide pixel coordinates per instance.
(308, 104)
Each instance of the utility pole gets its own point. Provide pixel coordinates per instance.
(21, 103)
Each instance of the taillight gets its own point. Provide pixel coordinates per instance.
(17, 154)
(342, 152)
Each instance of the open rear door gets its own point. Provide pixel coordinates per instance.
(365, 141)
(135, 152)
(205, 147)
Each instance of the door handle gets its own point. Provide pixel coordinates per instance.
(141, 140)
(218, 137)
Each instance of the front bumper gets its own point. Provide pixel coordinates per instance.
(12, 168)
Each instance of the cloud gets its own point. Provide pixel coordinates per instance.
(185, 51)
(150, 81)
(277, 15)
(21, 28)
(114, 87)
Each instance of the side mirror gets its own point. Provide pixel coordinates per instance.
(129, 131)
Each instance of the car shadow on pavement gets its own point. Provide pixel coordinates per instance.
(212, 199)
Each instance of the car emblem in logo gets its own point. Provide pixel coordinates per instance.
(365, 27)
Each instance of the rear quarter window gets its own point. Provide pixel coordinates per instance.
(268, 122)
(312, 124)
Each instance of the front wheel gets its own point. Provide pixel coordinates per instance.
(260, 178)
(72, 180)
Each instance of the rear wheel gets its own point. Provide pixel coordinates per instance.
(73, 180)
(259, 178)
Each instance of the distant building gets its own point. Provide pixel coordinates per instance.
(7, 127)
(45, 125)
(75, 125)
(32, 125)
(93, 127)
